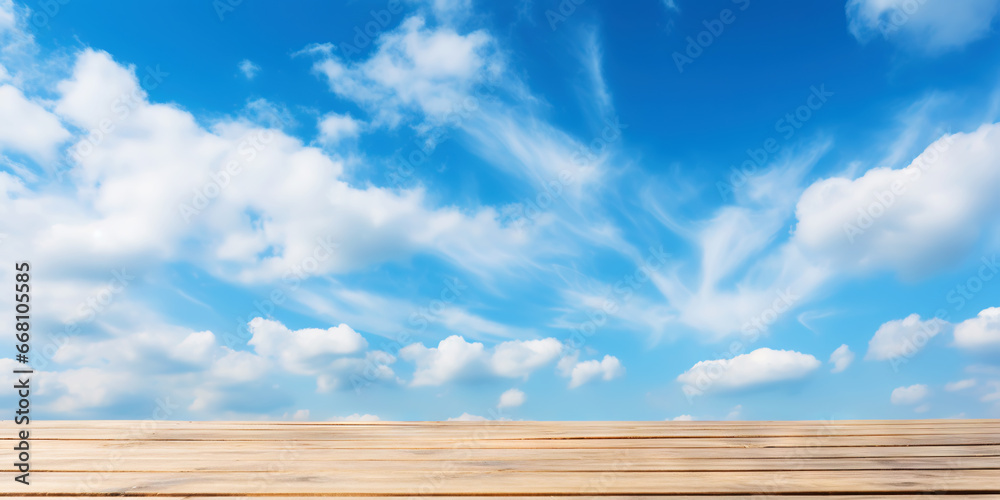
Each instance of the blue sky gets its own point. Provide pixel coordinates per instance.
(434, 209)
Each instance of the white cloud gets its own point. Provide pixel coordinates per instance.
(415, 69)
(35, 132)
(8, 19)
(519, 358)
(511, 398)
(98, 90)
(738, 272)
(454, 358)
(905, 219)
(4, 75)
(160, 349)
(903, 337)
(980, 332)
(249, 69)
(333, 128)
(841, 358)
(306, 351)
(992, 396)
(84, 388)
(909, 395)
(933, 25)
(299, 415)
(583, 372)
(238, 366)
(759, 367)
(468, 417)
(357, 417)
(444, 79)
(683, 418)
(960, 385)
(735, 412)
(159, 179)
(445, 7)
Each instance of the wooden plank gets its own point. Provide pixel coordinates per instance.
(508, 459)
(206, 440)
(580, 497)
(512, 483)
(342, 433)
(296, 450)
(523, 427)
(144, 463)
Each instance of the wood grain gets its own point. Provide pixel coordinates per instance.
(465, 460)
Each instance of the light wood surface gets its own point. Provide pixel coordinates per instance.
(458, 460)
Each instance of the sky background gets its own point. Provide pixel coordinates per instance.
(438, 209)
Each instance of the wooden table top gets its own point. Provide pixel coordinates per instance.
(787, 460)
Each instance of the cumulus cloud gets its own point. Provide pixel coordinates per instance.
(455, 359)
(909, 395)
(36, 132)
(903, 337)
(162, 349)
(980, 332)
(260, 202)
(683, 418)
(334, 128)
(430, 71)
(80, 389)
(759, 367)
(841, 358)
(904, 219)
(583, 372)
(99, 89)
(511, 398)
(306, 351)
(215, 377)
(932, 25)
(238, 366)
